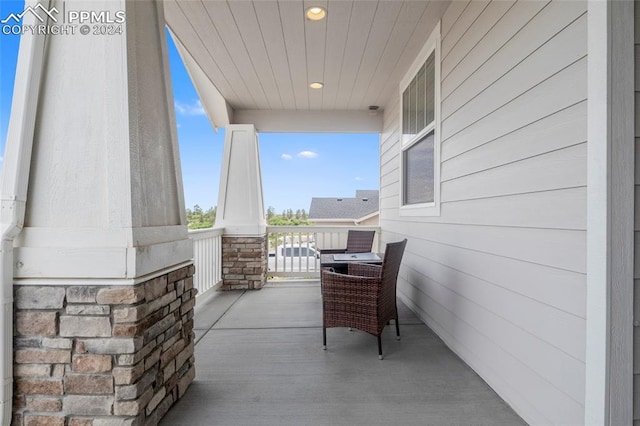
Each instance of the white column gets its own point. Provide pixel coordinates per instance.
(610, 207)
(240, 203)
(105, 197)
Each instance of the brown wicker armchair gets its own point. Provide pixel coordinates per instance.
(357, 242)
(365, 298)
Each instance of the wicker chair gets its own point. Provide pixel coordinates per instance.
(365, 298)
(357, 242)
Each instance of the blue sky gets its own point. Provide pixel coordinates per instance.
(295, 167)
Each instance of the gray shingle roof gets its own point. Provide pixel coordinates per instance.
(364, 203)
(367, 193)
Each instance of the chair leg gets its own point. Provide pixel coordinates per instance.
(324, 329)
(324, 338)
(379, 347)
(397, 324)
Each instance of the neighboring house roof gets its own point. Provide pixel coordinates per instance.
(367, 193)
(363, 204)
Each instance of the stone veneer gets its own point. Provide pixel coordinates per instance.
(102, 355)
(244, 262)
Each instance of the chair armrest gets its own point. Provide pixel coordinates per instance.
(334, 284)
(333, 251)
(365, 270)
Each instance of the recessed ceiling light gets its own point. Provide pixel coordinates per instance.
(316, 13)
(316, 85)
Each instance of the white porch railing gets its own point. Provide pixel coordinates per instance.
(207, 257)
(294, 250)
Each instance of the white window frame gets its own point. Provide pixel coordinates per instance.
(432, 208)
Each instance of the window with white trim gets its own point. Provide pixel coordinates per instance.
(419, 125)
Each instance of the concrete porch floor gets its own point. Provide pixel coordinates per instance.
(259, 361)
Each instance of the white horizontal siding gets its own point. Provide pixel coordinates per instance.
(556, 131)
(563, 90)
(474, 34)
(498, 367)
(535, 69)
(389, 177)
(541, 339)
(490, 63)
(531, 210)
(463, 23)
(505, 28)
(544, 172)
(500, 274)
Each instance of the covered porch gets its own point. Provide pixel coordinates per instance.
(260, 361)
(507, 159)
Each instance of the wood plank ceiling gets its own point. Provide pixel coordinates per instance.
(262, 54)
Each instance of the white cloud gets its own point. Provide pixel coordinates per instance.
(358, 178)
(194, 108)
(286, 157)
(307, 154)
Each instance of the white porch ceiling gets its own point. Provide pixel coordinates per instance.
(262, 54)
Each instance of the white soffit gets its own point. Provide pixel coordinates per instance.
(262, 54)
(218, 110)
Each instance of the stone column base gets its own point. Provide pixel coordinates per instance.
(107, 355)
(244, 262)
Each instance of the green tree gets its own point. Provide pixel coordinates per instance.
(199, 219)
(286, 219)
(278, 221)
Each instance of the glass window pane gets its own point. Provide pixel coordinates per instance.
(418, 107)
(412, 107)
(405, 112)
(430, 85)
(418, 170)
(421, 99)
